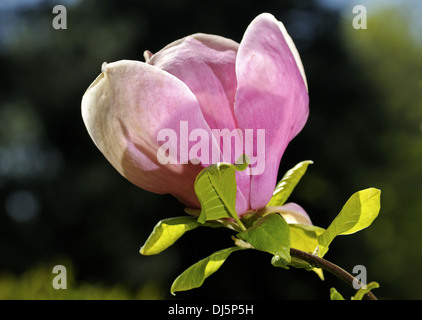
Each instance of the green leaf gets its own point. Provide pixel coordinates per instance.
(215, 187)
(166, 232)
(194, 276)
(304, 238)
(286, 185)
(279, 262)
(271, 234)
(362, 291)
(335, 295)
(358, 213)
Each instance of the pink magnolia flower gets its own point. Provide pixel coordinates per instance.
(202, 82)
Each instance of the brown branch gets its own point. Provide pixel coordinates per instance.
(330, 267)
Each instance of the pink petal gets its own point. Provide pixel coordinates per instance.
(206, 64)
(271, 95)
(125, 108)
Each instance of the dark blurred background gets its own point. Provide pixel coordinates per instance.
(61, 202)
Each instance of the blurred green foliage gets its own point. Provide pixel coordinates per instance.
(36, 284)
(59, 196)
(390, 57)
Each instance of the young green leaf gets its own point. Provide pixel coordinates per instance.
(215, 187)
(362, 291)
(166, 232)
(286, 185)
(358, 213)
(304, 238)
(335, 295)
(279, 262)
(194, 276)
(271, 234)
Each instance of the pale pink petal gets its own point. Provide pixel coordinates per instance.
(291, 212)
(294, 213)
(124, 110)
(271, 95)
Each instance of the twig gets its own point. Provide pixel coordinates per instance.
(330, 267)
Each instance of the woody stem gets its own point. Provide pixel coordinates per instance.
(330, 267)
